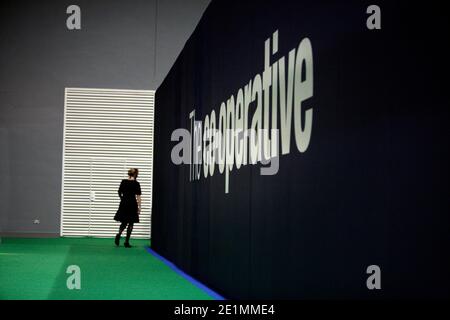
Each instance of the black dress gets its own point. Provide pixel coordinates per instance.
(128, 208)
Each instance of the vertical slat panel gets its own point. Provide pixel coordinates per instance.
(106, 131)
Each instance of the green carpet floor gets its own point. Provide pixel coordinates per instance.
(36, 269)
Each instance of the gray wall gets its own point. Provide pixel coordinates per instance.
(39, 57)
(3, 182)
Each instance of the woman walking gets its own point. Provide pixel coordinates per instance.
(130, 205)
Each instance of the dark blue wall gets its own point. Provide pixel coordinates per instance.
(372, 187)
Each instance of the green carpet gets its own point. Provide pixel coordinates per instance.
(36, 269)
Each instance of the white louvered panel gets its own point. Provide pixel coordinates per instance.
(105, 132)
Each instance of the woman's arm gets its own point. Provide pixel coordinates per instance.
(120, 190)
(138, 197)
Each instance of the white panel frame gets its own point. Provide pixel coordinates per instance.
(119, 105)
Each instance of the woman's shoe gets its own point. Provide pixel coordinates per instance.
(127, 245)
(117, 240)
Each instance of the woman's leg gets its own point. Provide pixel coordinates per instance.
(129, 230)
(122, 227)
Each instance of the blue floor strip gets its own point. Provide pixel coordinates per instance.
(195, 282)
